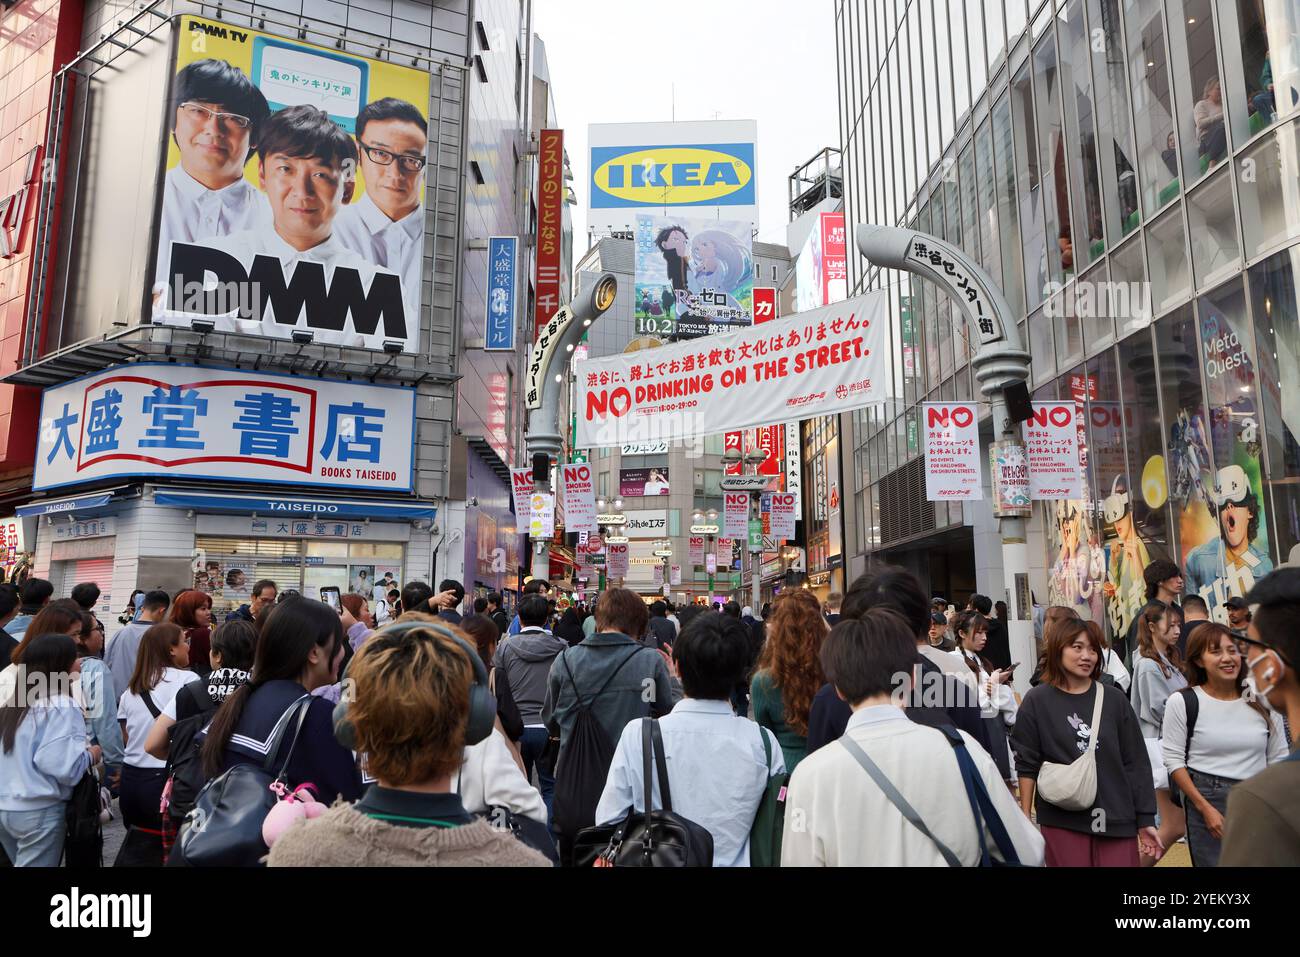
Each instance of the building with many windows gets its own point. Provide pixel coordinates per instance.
(1129, 170)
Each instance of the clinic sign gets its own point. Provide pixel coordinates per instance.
(671, 169)
(178, 421)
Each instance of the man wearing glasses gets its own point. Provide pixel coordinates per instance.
(217, 114)
(1262, 827)
(386, 225)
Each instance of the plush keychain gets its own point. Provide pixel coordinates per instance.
(291, 806)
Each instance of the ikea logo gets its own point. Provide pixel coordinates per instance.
(697, 175)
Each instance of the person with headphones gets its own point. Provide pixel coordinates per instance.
(417, 696)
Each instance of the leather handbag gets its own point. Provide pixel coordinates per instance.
(652, 838)
(224, 828)
(1073, 787)
(769, 820)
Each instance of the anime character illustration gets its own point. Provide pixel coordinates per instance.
(719, 264)
(1072, 583)
(1189, 455)
(1125, 589)
(1230, 560)
(672, 243)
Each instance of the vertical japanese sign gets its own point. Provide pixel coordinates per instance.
(734, 442)
(236, 243)
(1052, 449)
(764, 304)
(769, 443)
(178, 421)
(618, 559)
(794, 464)
(783, 515)
(696, 550)
(835, 267)
(735, 514)
(952, 452)
(502, 265)
(550, 221)
(579, 498)
(521, 483)
(542, 515)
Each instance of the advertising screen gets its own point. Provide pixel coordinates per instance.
(694, 277)
(293, 192)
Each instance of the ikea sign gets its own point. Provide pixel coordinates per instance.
(656, 176)
(692, 168)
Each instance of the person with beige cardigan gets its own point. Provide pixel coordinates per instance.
(409, 709)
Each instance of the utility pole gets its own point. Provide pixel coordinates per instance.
(1002, 367)
(544, 383)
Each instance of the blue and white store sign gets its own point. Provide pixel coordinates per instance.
(502, 268)
(178, 421)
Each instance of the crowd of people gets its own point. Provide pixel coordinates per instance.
(880, 728)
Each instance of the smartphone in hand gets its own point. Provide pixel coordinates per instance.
(330, 596)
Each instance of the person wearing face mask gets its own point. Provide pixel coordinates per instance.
(1214, 737)
(1055, 724)
(1262, 826)
(300, 648)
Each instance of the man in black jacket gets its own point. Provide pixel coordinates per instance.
(997, 646)
(660, 629)
(938, 700)
(497, 613)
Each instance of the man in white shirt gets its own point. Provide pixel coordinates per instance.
(718, 765)
(386, 225)
(307, 168)
(217, 114)
(837, 815)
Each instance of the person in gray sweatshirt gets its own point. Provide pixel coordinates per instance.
(123, 647)
(524, 660)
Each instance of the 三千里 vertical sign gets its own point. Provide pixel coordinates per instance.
(503, 261)
(550, 220)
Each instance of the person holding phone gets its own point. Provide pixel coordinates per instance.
(998, 704)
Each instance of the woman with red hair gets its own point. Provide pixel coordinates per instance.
(192, 610)
(789, 671)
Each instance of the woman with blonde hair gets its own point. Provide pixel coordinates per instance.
(790, 672)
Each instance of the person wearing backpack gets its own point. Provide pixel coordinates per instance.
(1214, 737)
(891, 792)
(299, 649)
(174, 734)
(720, 762)
(43, 753)
(594, 689)
(161, 669)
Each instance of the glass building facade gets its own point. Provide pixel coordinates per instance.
(1129, 170)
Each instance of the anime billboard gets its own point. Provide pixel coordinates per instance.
(693, 277)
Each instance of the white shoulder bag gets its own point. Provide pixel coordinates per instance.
(1073, 787)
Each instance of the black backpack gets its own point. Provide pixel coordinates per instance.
(184, 759)
(224, 828)
(584, 763)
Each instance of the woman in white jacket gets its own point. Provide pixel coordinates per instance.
(997, 700)
(490, 778)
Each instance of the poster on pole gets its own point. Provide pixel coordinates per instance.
(521, 483)
(829, 360)
(542, 519)
(735, 514)
(697, 550)
(579, 488)
(617, 557)
(676, 575)
(952, 452)
(711, 563)
(1052, 448)
(782, 515)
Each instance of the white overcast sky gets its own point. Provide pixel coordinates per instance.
(618, 61)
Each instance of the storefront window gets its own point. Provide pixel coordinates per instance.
(1052, 161)
(1095, 309)
(1028, 189)
(1275, 304)
(1041, 347)
(1216, 254)
(1152, 116)
(1002, 178)
(1130, 295)
(1069, 333)
(1144, 432)
(1239, 554)
(1167, 254)
(1198, 88)
(1261, 54)
(986, 201)
(1268, 186)
(1119, 187)
(1085, 190)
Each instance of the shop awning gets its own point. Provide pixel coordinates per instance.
(299, 506)
(97, 502)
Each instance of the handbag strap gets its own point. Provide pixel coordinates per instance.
(980, 800)
(303, 705)
(1096, 717)
(896, 798)
(652, 745)
(148, 703)
(767, 748)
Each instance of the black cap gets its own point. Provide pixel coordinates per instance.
(1236, 601)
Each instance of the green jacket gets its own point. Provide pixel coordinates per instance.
(769, 712)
